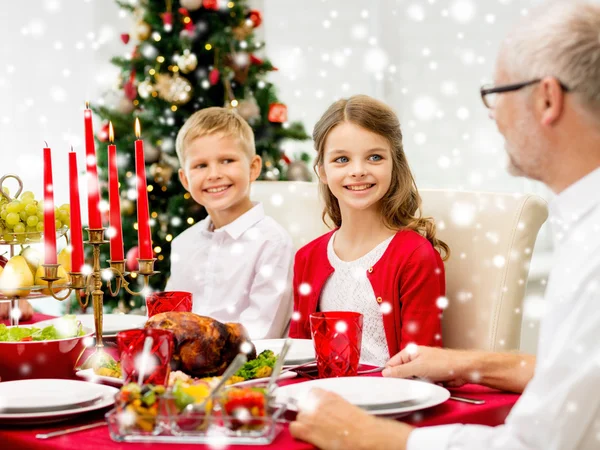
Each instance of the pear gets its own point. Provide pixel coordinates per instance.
(16, 275)
(64, 258)
(33, 258)
(61, 274)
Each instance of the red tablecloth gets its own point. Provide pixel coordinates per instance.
(493, 412)
(36, 318)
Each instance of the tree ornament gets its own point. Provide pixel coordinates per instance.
(141, 31)
(188, 24)
(173, 89)
(125, 38)
(270, 175)
(129, 90)
(211, 4)
(249, 109)
(277, 113)
(167, 21)
(256, 17)
(131, 259)
(187, 62)
(298, 171)
(191, 5)
(161, 172)
(145, 89)
(127, 207)
(213, 76)
(124, 105)
(103, 133)
(151, 152)
(242, 31)
(240, 64)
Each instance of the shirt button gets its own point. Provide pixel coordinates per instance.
(379, 299)
(370, 269)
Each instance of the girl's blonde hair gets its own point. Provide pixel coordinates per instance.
(401, 205)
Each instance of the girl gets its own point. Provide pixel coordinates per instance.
(381, 258)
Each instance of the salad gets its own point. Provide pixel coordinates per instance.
(68, 326)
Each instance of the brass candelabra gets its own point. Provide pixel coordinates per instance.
(92, 284)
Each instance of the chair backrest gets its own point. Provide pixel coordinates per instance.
(491, 237)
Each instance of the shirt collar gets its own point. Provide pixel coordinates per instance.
(240, 225)
(576, 200)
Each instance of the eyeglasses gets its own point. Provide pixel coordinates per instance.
(489, 93)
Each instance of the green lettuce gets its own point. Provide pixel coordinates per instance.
(248, 370)
(67, 326)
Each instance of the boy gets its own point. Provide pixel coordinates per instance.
(237, 262)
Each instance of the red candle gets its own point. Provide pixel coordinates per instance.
(76, 234)
(116, 238)
(94, 217)
(144, 240)
(49, 220)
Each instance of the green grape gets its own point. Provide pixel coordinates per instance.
(27, 201)
(57, 223)
(40, 226)
(19, 228)
(31, 209)
(27, 194)
(14, 206)
(40, 215)
(63, 216)
(32, 221)
(6, 190)
(3, 214)
(31, 230)
(66, 207)
(23, 215)
(12, 218)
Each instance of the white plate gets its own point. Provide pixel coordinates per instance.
(31, 396)
(111, 323)
(301, 351)
(106, 399)
(378, 395)
(89, 375)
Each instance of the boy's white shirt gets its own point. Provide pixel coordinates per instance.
(241, 272)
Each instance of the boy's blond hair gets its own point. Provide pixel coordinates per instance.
(211, 121)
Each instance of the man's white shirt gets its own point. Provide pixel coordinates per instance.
(241, 272)
(560, 408)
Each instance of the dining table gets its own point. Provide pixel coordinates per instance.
(493, 412)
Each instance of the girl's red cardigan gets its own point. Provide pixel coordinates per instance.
(409, 277)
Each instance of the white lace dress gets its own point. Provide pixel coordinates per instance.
(349, 289)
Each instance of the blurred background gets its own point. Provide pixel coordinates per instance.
(425, 58)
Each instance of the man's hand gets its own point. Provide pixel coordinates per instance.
(24, 306)
(331, 423)
(438, 365)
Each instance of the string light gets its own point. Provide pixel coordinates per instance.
(135, 227)
(173, 108)
(234, 103)
(186, 195)
(190, 220)
(157, 249)
(169, 237)
(208, 46)
(160, 59)
(152, 71)
(150, 188)
(154, 214)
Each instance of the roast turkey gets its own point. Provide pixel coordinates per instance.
(203, 346)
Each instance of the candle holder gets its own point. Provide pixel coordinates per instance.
(92, 284)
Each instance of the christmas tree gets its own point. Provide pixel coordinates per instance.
(188, 55)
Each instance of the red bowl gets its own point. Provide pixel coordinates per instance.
(42, 359)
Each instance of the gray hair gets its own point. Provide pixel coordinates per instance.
(561, 39)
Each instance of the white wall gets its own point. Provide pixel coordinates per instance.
(426, 58)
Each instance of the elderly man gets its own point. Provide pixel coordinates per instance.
(546, 104)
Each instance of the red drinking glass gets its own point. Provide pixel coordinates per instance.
(155, 366)
(160, 302)
(337, 336)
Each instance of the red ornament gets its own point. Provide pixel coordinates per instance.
(256, 17)
(213, 76)
(125, 38)
(285, 158)
(277, 113)
(130, 90)
(103, 133)
(211, 4)
(188, 23)
(167, 21)
(256, 61)
(131, 261)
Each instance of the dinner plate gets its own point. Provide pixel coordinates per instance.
(377, 395)
(301, 351)
(40, 395)
(105, 399)
(89, 375)
(111, 323)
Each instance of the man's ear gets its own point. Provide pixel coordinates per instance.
(255, 167)
(184, 179)
(551, 102)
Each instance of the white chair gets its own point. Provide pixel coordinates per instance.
(491, 237)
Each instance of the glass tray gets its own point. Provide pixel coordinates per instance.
(200, 429)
